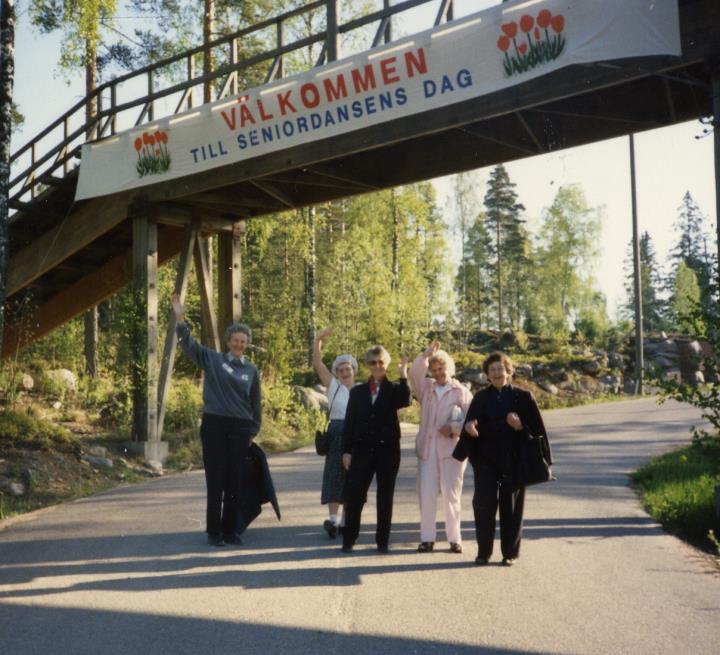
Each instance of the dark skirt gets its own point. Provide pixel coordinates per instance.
(333, 481)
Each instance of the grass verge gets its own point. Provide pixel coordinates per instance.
(678, 490)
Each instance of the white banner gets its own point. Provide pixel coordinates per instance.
(464, 59)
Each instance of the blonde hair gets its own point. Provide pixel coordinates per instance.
(442, 356)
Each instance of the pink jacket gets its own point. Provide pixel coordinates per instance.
(435, 411)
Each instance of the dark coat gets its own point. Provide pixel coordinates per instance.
(256, 488)
(523, 404)
(369, 424)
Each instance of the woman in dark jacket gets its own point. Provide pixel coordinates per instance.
(371, 445)
(498, 417)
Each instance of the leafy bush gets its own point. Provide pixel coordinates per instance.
(184, 406)
(19, 430)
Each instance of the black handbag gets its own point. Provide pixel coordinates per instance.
(533, 461)
(322, 442)
(322, 438)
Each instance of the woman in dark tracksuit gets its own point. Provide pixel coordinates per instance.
(497, 418)
(371, 446)
(231, 418)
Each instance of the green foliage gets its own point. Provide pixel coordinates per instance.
(703, 322)
(184, 406)
(678, 489)
(19, 430)
(686, 296)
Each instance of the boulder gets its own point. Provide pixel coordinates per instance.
(26, 382)
(664, 362)
(591, 367)
(64, 377)
(524, 371)
(668, 346)
(311, 399)
(549, 387)
(613, 383)
(616, 360)
(11, 487)
(673, 374)
(97, 451)
(697, 378)
(100, 462)
(473, 375)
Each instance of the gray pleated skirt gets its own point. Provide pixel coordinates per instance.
(333, 474)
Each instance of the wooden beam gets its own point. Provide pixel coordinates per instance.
(82, 226)
(202, 270)
(273, 192)
(168, 359)
(72, 301)
(145, 332)
(229, 268)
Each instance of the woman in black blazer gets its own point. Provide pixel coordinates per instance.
(371, 445)
(498, 417)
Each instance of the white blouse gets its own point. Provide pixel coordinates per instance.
(339, 395)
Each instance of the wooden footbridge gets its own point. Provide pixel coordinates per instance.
(67, 255)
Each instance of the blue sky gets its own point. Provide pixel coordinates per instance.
(670, 161)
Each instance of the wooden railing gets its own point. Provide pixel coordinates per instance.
(54, 153)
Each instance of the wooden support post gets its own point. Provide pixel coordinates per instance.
(716, 138)
(229, 277)
(145, 374)
(202, 269)
(332, 36)
(168, 360)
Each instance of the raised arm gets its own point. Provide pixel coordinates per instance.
(323, 373)
(195, 351)
(418, 370)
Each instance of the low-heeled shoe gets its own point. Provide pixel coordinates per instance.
(426, 547)
(330, 528)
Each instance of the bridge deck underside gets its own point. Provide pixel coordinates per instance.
(574, 106)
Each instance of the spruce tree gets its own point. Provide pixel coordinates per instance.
(653, 309)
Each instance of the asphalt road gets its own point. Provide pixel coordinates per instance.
(128, 571)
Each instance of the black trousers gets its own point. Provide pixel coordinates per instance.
(382, 462)
(225, 444)
(488, 496)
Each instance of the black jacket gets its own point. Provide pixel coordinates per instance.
(523, 403)
(256, 488)
(369, 424)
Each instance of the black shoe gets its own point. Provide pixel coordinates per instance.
(233, 539)
(347, 548)
(509, 561)
(330, 528)
(383, 548)
(426, 547)
(455, 548)
(215, 540)
(481, 561)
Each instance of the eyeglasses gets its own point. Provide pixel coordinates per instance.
(376, 362)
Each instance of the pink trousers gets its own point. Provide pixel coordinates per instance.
(445, 477)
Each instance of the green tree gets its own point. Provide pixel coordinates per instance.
(474, 278)
(686, 295)
(507, 248)
(565, 255)
(653, 309)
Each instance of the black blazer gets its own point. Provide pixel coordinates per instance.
(523, 403)
(256, 488)
(369, 424)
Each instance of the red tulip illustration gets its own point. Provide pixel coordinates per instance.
(526, 23)
(510, 30)
(543, 18)
(538, 46)
(153, 155)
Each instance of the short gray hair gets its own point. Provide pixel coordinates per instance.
(442, 356)
(344, 359)
(378, 350)
(235, 328)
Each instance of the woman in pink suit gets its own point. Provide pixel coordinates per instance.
(443, 403)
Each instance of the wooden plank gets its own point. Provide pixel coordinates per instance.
(202, 270)
(82, 226)
(87, 292)
(170, 349)
(145, 332)
(229, 268)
